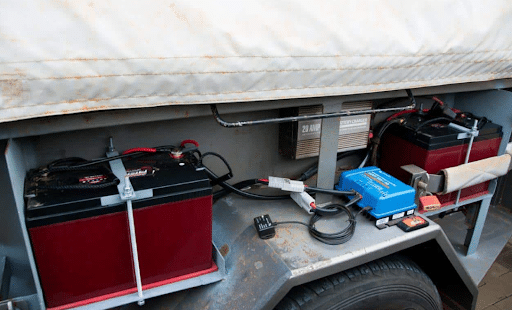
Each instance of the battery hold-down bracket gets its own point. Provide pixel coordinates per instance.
(127, 194)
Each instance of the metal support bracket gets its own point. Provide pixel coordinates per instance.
(423, 181)
(14, 305)
(473, 132)
(466, 132)
(327, 153)
(127, 194)
(5, 277)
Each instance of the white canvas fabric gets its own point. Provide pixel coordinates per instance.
(60, 57)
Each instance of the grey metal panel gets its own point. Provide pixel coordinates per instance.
(458, 205)
(27, 302)
(90, 120)
(478, 103)
(16, 166)
(496, 105)
(12, 243)
(251, 151)
(5, 277)
(328, 151)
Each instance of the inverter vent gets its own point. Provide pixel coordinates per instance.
(348, 142)
(302, 139)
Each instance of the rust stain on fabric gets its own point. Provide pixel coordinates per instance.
(86, 108)
(11, 89)
(178, 14)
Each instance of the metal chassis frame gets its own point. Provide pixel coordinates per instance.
(17, 167)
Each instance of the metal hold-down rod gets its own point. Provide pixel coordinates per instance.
(302, 117)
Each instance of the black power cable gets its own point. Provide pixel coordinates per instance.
(430, 121)
(335, 238)
(376, 140)
(80, 186)
(314, 169)
(304, 176)
(228, 187)
(223, 192)
(338, 237)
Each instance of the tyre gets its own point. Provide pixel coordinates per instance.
(390, 283)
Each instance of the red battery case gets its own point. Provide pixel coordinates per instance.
(434, 148)
(82, 249)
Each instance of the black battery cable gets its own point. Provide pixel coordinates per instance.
(377, 139)
(319, 190)
(130, 153)
(314, 169)
(310, 172)
(80, 164)
(228, 187)
(334, 238)
(57, 166)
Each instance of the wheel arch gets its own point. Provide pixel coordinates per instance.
(437, 258)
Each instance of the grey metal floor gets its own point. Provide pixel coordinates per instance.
(257, 269)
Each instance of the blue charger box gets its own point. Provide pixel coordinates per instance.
(388, 196)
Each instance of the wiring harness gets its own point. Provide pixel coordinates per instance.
(99, 171)
(100, 176)
(334, 238)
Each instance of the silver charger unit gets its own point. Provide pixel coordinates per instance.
(302, 139)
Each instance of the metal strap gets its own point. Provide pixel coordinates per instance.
(126, 193)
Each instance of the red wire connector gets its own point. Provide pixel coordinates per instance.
(305, 201)
(438, 100)
(194, 142)
(140, 149)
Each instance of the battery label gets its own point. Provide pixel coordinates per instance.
(131, 173)
(382, 221)
(140, 172)
(398, 215)
(93, 179)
